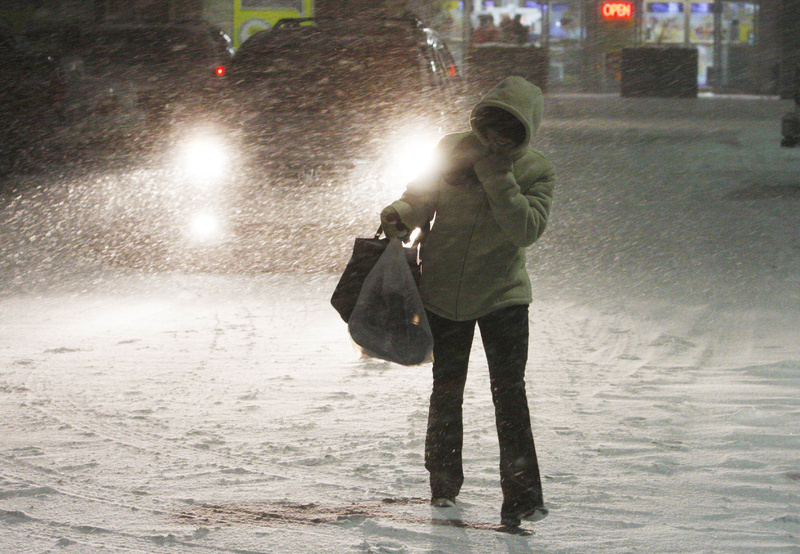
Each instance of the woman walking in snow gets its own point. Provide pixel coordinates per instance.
(488, 199)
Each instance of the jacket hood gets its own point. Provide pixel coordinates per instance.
(518, 97)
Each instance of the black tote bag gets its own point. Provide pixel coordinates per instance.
(366, 252)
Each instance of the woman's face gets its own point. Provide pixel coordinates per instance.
(498, 142)
(502, 130)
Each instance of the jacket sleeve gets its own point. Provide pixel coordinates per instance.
(520, 194)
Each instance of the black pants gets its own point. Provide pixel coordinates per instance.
(505, 340)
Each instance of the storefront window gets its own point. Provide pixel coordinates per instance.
(701, 22)
(735, 50)
(533, 16)
(565, 21)
(508, 21)
(664, 22)
(738, 22)
(566, 30)
(722, 32)
(667, 22)
(701, 34)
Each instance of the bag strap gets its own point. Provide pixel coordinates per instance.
(379, 232)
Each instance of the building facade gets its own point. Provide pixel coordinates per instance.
(738, 42)
(750, 46)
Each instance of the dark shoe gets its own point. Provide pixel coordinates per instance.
(443, 502)
(534, 514)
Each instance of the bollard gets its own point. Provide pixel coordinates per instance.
(790, 122)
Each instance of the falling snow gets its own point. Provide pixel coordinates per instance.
(164, 392)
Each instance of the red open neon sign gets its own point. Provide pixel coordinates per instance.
(616, 10)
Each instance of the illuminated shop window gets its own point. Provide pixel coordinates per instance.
(724, 53)
(508, 21)
(565, 21)
(738, 20)
(667, 22)
(701, 22)
(664, 22)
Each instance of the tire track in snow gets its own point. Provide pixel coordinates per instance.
(95, 432)
(99, 431)
(655, 425)
(73, 534)
(70, 535)
(592, 384)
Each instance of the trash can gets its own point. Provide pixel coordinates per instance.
(659, 72)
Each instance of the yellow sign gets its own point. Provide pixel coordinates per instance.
(252, 16)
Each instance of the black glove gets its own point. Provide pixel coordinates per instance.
(392, 225)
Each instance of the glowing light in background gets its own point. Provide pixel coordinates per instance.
(412, 158)
(204, 159)
(204, 227)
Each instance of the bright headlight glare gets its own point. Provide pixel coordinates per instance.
(204, 226)
(204, 159)
(413, 158)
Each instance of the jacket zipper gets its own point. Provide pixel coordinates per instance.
(466, 252)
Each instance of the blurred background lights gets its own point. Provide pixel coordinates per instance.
(204, 159)
(413, 157)
(204, 227)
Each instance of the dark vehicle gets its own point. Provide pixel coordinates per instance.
(327, 95)
(31, 97)
(124, 79)
(128, 89)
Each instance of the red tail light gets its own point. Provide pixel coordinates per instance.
(219, 71)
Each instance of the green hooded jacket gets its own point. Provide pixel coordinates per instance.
(483, 209)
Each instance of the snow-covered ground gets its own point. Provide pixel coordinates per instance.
(153, 411)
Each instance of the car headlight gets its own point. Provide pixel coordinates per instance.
(204, 159)
(204, 227)
(412, 157)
